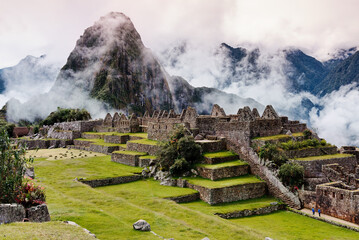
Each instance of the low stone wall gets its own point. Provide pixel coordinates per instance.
(313, 168)
(226, 172)
(43, 143)
(138, 147)
(309, 152)
(92, 136)
(230, 194)
(17, 213)
(145, 162)
(38, 213)
(215, 160)
(185, 198)
(212, 145)
(104, 149)
(250, 212)
(82, 143)
(116, 139)
(130, 160)
(12, 213)
(63, 134)
(308, 198)
(110, 181)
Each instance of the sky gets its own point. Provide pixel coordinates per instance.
(52, 27)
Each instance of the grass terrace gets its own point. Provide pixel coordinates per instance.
(46, 230)
(148, 157)
(219, 154)
(230, 207)
(223, 182)
(323, 157)
(277, 137)
(139, 134)
(101, 142)
(146, 141)
(109, 212)
(223, 165)
(106, 133)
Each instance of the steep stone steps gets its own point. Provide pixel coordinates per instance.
(143, 145)
(130, 158)
(223, 170)
(227, 190)
(219, 157)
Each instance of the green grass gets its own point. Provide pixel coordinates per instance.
(224, 182)
(148, 157)
(223, 165)
(230, 207)
(131, 153)
(276, 137)
(46, 230)
(109, 212)
(106, 133)
(219, 154)
(139, 134)
(86, 139)
(146, 141)
(323, 157)
(288, 225)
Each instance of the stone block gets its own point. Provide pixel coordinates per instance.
(12, 213)
(38, 213)
(225, 172)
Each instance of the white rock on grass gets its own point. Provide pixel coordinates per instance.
(142, 225)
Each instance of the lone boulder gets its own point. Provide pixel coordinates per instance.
(142, 225)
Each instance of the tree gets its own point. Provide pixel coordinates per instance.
(180, 153)
(66, 115)
(12, 168)
(291, 174)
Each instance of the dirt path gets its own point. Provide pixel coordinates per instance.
(309, 212)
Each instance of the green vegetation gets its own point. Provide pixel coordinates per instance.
(294, 145)
(220, 154)
(224, 182)
(291, 174)
(323, 157)
(277, 137)
(272, 153)
(109, 212)
(47, 230)
(139, 134)
(223, 165)
(12, 169)
(230, 207)
(146, 141)
(180, 154)
(131, 153)
(66, 115)
(148, 157)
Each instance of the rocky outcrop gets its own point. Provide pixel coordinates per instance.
(11, 213)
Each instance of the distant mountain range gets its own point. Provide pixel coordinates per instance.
(111, 64)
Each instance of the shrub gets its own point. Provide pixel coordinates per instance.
(272, 153)
(291, 174)
(180, 154)
(307, 134)
(29, 194)
(36, 129)
(12, 169)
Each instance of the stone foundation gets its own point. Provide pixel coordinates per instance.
(12, 213)
(230, 194)
(225, 172)
(127, 159)
(212, 145)
(185, 198)
(250, 212)
(138, 147)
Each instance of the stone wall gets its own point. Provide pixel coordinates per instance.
(122, 139)
(63, 134)
(11, 213)
(212, 145)
(104, 149)
(308, 152)
(250, 212)
(138, 147)
(230, 194)
(334, 200)
(79, 126)
(38, 213)
(43, 143)
(110, 181)
(130, 160)
(313, 168)
(308, 198)
(219, 173)
(185, 198)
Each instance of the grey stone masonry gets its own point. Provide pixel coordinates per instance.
(231, 193)
(212, 145)
(223, 172)
(120, 139)
(185, 198)
(127, 159)
(38, 213)
(104, 149)
(215, 160)
(139, 147)
(110, 181)
(309, 152)
(12, 213)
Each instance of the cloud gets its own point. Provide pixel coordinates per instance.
(338, 122)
